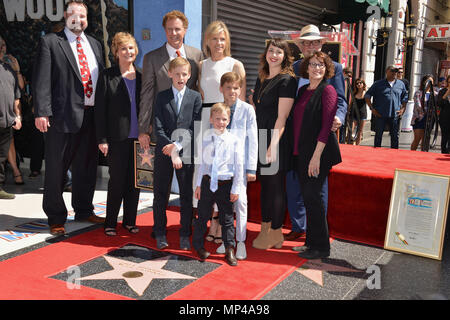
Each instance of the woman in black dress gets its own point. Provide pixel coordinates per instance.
(273, 98)
(359, 91)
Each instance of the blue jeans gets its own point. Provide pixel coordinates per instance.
(393, 124)
(296, 206)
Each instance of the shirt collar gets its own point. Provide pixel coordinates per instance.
(72, 36)
(222, 136)
(175, 91)
(173, 52)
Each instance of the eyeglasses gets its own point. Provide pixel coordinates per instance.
(307, 43)
(317, 65)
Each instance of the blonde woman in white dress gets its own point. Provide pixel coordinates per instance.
(217, 49)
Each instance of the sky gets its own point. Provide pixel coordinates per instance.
(122, 3)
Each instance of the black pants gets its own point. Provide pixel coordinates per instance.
(205, 207)
(121, 184)
(317, 236)
(444, 122)
(5, 141)
(37, 150)
(63, 150)
(162, 180)
(273, 198)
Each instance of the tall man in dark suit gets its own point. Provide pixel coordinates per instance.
(65, 75)
(156, 65)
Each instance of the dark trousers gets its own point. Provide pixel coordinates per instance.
(121, 184)
(296, 204)
(162, 180)
(5, 141)
(273, 198)
(63, 150)
(37, 150)
(317, 236)
(205, 207)
(393, 124)
(444, 122)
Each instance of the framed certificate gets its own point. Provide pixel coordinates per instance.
(143, 166)
(418, 213)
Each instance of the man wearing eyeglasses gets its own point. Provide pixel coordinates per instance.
(310, 41)
(389, 103)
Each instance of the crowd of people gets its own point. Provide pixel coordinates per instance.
(285, 135)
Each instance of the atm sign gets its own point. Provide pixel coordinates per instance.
(440, 33)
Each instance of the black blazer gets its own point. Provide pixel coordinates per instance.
(166, 120)
(113, 105)
(57, 88)
(311, 126)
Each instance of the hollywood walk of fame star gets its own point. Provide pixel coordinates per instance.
(313, 270)
(146, 157)
(137, 275)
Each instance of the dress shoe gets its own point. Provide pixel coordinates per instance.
(185, 243)
(161, 242)
(57, 229)
(241, 252)
(230, 258)
(311, 254)
(300, 248)
(92, 219)
(293, 235)
(34, 174)
(202, 254)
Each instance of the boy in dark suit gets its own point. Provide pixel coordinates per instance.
(176, 110)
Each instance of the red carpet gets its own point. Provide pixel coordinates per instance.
(27, 276)
(360, 190)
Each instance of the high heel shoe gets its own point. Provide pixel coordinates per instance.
(213, 229)
(17, 180)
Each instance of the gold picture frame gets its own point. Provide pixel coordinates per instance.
(418, 213)
(144, 161)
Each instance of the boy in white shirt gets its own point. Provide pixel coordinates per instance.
(219, 180)
(243, 125)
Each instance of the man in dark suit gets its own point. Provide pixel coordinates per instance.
(156, 64)
(176, 109)
(64, 79)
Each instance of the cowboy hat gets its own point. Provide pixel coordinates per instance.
(310, 32)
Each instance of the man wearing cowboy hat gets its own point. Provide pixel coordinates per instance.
(309, 41)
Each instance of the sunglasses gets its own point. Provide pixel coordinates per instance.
(309, 43)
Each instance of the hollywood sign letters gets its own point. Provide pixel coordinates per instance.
(35, 9)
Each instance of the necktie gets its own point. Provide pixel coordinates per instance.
(179, 99)
(84, 70)
(178, 53)
(215, 165)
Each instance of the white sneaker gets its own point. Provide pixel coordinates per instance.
(241, 252)
(221, 249)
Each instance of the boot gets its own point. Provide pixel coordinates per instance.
(230, 257)
(275, 238)
(261, 239)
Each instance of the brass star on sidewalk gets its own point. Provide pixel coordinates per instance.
(313, 270)
(137, 275)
